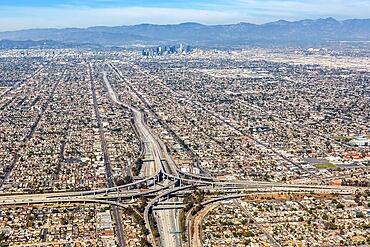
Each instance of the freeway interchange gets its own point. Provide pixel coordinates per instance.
(164, 181)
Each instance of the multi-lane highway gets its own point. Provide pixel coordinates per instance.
(156, 159)
(169, 230)
(158, 167)
(196, 239)
(151, 147)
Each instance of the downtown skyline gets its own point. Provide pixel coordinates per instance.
(184, 123)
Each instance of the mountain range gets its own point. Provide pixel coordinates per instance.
(278, 32)
(42, 44)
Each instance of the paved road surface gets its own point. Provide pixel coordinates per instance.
(108, 168)
(151, 146)
(273, 241)
(168, 225)
(196, 239)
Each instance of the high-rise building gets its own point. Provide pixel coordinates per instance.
(165, 50)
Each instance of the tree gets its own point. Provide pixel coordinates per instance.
(155, 233)
(144, 242)
(3, 237)
(143, 202)
(248, 234)
(330, 226)
(30, 224)
(340, 206)
(360, 214)
(325, 217)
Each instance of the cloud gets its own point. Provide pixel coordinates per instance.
(69, 16)
(309, 8)
(260, 11)
(77, 13)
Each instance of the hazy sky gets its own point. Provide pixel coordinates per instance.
(20, 14)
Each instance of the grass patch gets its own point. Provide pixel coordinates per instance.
(343, 138)
(324, 166)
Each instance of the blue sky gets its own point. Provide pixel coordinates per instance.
(21, 14)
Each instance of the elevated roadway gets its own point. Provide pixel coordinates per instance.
(165, 180)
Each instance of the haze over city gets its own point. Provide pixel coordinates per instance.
(184, 123)
(24, 14)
